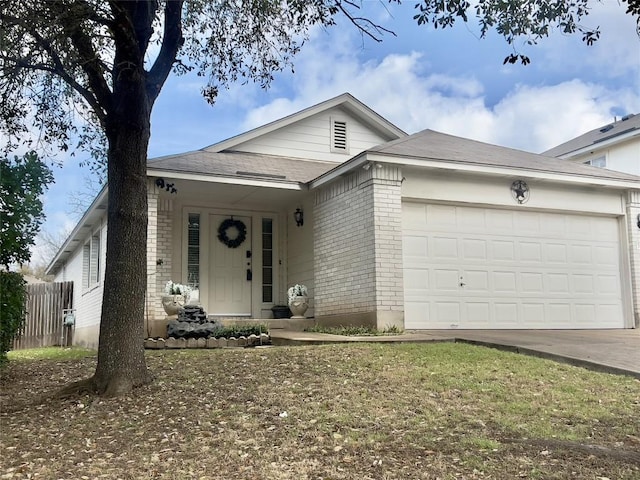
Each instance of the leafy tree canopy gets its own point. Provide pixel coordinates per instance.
(526, 21)
(22, 182)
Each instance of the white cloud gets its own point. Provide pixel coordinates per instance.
(531, 116)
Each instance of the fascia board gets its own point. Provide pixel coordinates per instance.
(469, 168)
(593, 147)
(252, 182)
(97, 204)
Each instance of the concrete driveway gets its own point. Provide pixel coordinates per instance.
(613, 351)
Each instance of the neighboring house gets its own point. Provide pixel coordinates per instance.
(420, 231)
(615, 146)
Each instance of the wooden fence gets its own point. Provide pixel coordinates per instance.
(44, 320)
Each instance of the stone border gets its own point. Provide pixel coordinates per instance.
(176, 343)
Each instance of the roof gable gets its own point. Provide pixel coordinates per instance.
(308, 133)
(620, 130)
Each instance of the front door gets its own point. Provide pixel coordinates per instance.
(230, 266)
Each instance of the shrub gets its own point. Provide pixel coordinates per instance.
(355, 330)
(13, 295)
(240, 330)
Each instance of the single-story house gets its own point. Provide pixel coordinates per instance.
(422, 231)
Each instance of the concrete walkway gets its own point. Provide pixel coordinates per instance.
(611, 351)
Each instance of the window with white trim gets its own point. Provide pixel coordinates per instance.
(339, 135)
(91, 261)
(193, 251)
(600, 162)
(267, 260)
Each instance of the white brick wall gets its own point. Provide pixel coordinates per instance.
(159, 245)
(633, 210)
(358, 244)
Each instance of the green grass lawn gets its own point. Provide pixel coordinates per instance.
(363, 411)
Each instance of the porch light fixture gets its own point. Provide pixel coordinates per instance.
(520, 191)
(639, 220)
(298, 215)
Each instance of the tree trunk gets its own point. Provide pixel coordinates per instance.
(121, 360)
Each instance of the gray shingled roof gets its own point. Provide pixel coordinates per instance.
(243, 165)
(431, 145)
(627, 124)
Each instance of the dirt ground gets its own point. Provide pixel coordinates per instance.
(432, 411)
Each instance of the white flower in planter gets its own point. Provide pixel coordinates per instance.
(177, 289)
(297, 291)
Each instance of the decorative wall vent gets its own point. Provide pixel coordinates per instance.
(339, 139)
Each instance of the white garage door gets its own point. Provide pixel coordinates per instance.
(467, 267)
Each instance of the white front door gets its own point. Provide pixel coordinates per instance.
(230, 267)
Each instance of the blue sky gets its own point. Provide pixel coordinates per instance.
(445, 80)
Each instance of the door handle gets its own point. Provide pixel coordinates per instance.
(249, 275)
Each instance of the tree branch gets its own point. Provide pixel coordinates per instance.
(171, 43)
(363, 24)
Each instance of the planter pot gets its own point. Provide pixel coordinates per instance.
(298, 306)
(281, 311)
(172, 304)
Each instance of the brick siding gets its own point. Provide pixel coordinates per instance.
(358, 244)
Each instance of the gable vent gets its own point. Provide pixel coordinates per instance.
(339, 139)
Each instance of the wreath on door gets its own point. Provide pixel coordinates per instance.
(223, 233)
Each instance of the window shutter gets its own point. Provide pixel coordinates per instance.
(86, 260)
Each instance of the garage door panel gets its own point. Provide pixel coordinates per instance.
(476, 281)
(558, 314)
(417, 314)
(583, 284)
(416, 283)
(505, 314)
(471, 267)
(557, 283)
(532, 282)
(441, 216)
(504, 282)
(478, 313)
(503, 250)
(446, 280)
(447, 312)
(474, 249)
(532, 314)
(608, 284)
(581, 254)
(445, 247)
(607, 256)
(530, 252)
(556, 253)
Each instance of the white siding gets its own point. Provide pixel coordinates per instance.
(300, 253)
(87, 302)
(622, 157)
(311, 138)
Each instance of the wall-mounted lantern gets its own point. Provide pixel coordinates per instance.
(298, 215)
